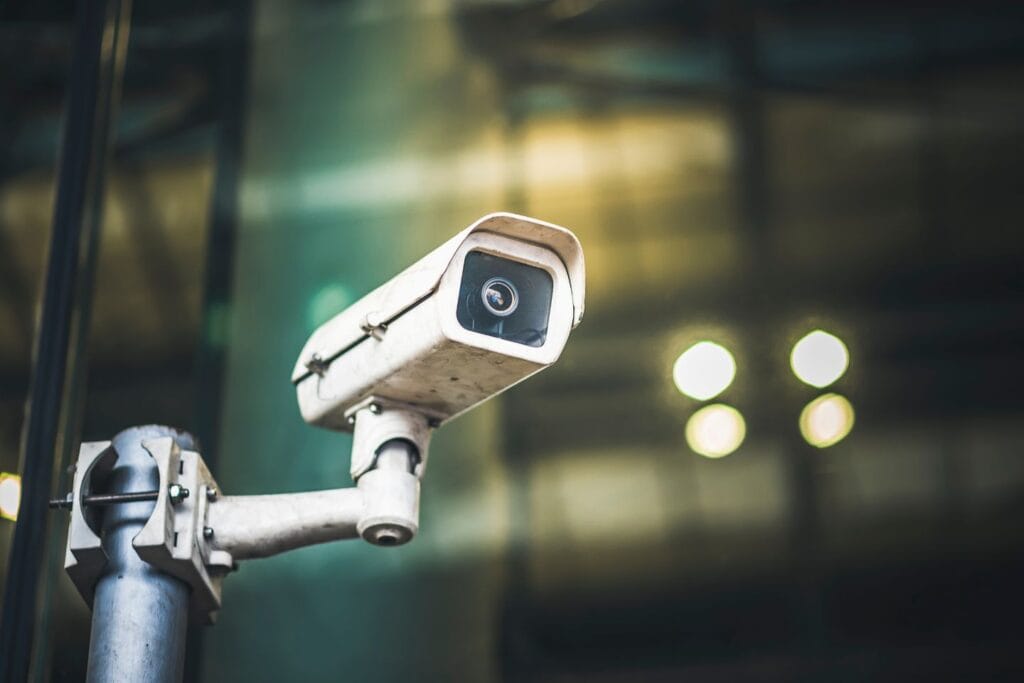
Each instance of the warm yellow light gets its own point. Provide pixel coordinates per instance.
(10, 495)
(704, 370)
(826, 420)
(819, 358)
(716, 430)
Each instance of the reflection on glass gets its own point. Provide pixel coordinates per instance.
(819, 359)
(826, 420)
(716, 430)
(10, 495)
(704, 370)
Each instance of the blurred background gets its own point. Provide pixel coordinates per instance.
(785, 444)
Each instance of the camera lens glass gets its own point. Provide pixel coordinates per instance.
(506, 299)
(500, 297)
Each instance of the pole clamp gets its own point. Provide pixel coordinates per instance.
(175, 539)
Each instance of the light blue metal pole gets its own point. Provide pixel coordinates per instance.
(139, 614)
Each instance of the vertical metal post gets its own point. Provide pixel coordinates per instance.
(139, 615)
(93, 89)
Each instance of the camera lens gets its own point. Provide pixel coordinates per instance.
(500, 296)
(489, 302)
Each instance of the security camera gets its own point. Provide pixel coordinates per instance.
(482, 312)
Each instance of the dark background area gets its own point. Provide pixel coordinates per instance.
(742, 172)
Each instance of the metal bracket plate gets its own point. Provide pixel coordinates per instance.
(84, 557)
(172, 539)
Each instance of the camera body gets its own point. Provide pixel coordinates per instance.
(482, 312)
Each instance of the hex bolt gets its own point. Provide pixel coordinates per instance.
(177, 493)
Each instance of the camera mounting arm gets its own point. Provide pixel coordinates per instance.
(198, 535)
(388, 455)
(389, 452)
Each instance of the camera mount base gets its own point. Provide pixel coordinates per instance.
(375, 421)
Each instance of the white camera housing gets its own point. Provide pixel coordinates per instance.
(402, 348)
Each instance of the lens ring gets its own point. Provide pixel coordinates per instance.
(500, 297)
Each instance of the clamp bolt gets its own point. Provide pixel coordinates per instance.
(177, 493)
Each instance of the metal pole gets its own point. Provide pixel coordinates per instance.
(139, 615)
(96, 65)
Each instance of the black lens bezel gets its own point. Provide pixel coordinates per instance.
(526, 322)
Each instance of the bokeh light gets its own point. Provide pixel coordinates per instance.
(826, 420)
(704, 370)
(819, 358)
(10, 495)
(715, 431)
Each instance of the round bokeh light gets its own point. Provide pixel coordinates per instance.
(826, 420)
(819, 358)
(704, 370)
(10, 495)
(715, 431)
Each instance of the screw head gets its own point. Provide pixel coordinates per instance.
(388, 535)
(375, 408)
(211, 494)
(177, 493)
(207, 532)
(316, 365)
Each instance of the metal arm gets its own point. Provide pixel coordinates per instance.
(383, 509)
(260, 526)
